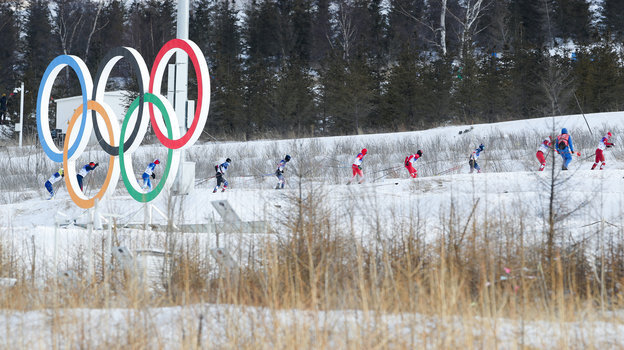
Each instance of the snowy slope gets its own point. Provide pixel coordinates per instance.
(509, 190)
(171, 328)
(509, 182)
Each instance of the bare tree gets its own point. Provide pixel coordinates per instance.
(94, 28)
(443, 26)
(468, 21)
(346, 28)
(68, 22)
(438, 30)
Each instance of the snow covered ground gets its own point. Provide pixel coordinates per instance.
(510, 189)
(175, 327)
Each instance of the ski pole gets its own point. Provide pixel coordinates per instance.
(88, 185)
(391, 168)
(449, 170)
(381, 177)
(579, 105)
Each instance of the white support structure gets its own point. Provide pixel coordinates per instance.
(181, 76)
(181, 95)
(21, 131)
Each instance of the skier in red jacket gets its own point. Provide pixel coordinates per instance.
(357, 167)
(409, 165)
(602, 145)
(542, 152)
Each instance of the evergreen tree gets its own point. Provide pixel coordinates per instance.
(301, 19)
(613, 14)
(404, 29)
(263, 33)
(403, 99)
(600, 83)
(438, 83)
(495, 36)
(217, 33)
(150, 25)
(572, 19)
(466, 90)
(493, 89)
(526, 95)
(529, 24)
(321, 32)
(10, 29)
(348, 92)
(294, 101)
(263, 53)
(39, 50)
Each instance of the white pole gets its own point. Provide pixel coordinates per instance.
(181, 86)
(182, 62)
(55, 254)
(21, 113)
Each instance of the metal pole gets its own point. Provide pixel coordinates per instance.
(181, 76)
(182, 60)
(21, 113)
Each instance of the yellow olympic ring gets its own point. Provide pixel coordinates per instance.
(69, 165)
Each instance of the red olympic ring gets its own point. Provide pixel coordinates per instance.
(201, 68)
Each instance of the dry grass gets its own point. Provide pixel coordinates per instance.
(478, 271)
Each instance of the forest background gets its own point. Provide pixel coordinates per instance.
(296, 68)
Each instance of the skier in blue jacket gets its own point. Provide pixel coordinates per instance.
(221, 169)
(474, 156)
(280, 172)
(149, 171)
(565, 148)
(87, 168)
(56, 177)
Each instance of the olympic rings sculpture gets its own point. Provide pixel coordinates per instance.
(119, 143)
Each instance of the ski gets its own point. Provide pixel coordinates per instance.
(448, 170)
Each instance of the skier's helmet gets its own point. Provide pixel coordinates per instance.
(419, 153)
(481, 147)
(609, 134)
(156, 161)
(228, 160)
(364, 150)
(61, 172)
(91, 164)
(287, 158)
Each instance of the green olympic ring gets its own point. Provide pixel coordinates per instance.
(132, 186)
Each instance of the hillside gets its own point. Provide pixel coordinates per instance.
(506, 204)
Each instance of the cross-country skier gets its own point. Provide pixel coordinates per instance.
(473, 159)
(602, 145)
(149, 171)
(565, 148)
(357, 167)
(409, 165)
(280, 172)
(87, 168)
(542, 152)
(57, 176)
(221, 169)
